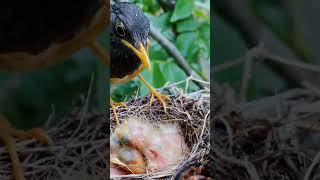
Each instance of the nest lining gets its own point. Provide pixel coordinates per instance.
(81, 140)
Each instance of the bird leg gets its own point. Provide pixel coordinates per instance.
(154, 93)
(8, 135)
(115, 105)
(96, 48)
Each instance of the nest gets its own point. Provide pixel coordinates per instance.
(81, 139)
(78, 152)
(190, 111)
(272, 138)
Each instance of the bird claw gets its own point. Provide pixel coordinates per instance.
(115, 105)
(162, 98)
(118, 104)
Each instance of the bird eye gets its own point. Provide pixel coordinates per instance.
(120, 29)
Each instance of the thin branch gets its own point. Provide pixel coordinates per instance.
(228, 65)
(297, 64)
(174, 52)
(261, 54)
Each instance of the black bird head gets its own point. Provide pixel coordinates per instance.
(129, 39)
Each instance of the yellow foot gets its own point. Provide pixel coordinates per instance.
(154, 93)
(160, 97)
(115, 105)
(9, 136)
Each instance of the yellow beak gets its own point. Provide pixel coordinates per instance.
(141, 53)
(117, 162)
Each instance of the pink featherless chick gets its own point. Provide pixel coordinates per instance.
(167, 150)
(124, 158)
(161, 144)
(150, 146)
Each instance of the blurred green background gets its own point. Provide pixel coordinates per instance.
(293, 22)
(27, 99)
(187, 25)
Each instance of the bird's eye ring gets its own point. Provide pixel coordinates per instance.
(120, 29)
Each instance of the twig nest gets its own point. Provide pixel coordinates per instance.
(139, 147)
(195, 171)
(167, 141)
(81, 141)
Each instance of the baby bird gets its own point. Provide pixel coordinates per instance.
(138, 147)
(129, 160)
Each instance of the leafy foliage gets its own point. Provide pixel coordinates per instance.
(187, 26)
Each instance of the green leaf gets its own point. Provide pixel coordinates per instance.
(182, 10)
(158, 78)
(168, 33)
(199, 13)
(161, 22)
(184, 42)
(189, 24)
(179, 74)
(172, 73)
(205, 34)
(192, 55)
(148, 77)
(157, 52)
(125, 91)
(167, 72)
(198, 50)
(147, 5)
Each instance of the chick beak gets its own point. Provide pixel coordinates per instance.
(117, 162)
(140, 52)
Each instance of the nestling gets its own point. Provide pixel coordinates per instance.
(139, 147)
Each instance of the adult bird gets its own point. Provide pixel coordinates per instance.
(129, 42)
(37, 34)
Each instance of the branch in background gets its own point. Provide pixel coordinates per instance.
(174, 52)
(229, 64)
(238, 12)
(260, 54)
